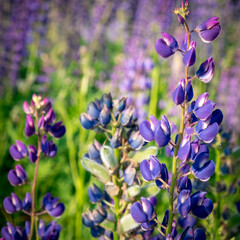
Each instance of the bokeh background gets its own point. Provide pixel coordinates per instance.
(72, 51)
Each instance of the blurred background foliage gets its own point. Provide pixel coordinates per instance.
(72, 51)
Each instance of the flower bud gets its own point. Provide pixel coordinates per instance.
(93, 110)
(26, 108)
(190, 56)
(29, 126)
(27, 202)
(206, 70)
(179, 93)
(99, 215)
(189, 90)
(87, 122)
(127, 116)
(121, 104)
(50, 117)
(18, 151)
(166, 46)
(32, 153)
(95, 194)
(94, 150)
(181, 20)
(106, 99)
(135, 140)
(209, 29)
(41, 122)
(105, 116)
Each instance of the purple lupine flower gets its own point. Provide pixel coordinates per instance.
(203, 168)
(189, 220)
(50, 117)
(159, 131)
(51, 231)
(97, 231)
(164, 176)
(12, 204)
(18, 151)
(10, 232)
(206, 132)
(151, 169)
(184, 183)
(198, 234)
(206, 70)
(185, 148)
(203, 107)
(95, 194)
(209, 29)
(201, 206)
(18, 176)
(189, 90)
(52, 206)
(179, 93)
(57, 130)
(184, 202)
(27, 202)
(48, 147)
(29, 126)
(166, 46)
(190, 56)
(32, 153)
(142, 212)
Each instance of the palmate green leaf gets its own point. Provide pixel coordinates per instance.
(149, 190)
(108, 157)
(144, 153)
(96, 169)
(127, 224)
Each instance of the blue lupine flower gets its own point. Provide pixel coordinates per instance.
(201, 206)
(184, 183)
(142, 212)
(51, 231)
(184, 203)
(135, 140)
(206, 70)
(209, 29)
(151, 169)
(57, 130)
(166, 46)
(52, 206)
(163, 176)
(18, 176)
(159, 131)
(18, 151)
(12, 204)
(203, 168)
(87, 121)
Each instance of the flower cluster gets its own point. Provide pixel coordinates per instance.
(40, 122)
(115, 164)
(199, 126)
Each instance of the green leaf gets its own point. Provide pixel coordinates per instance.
(144, 153)
(127, 224)
(96, 169)
(108, 157)
(149, 190)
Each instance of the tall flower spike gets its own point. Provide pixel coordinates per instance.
(166, 46)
